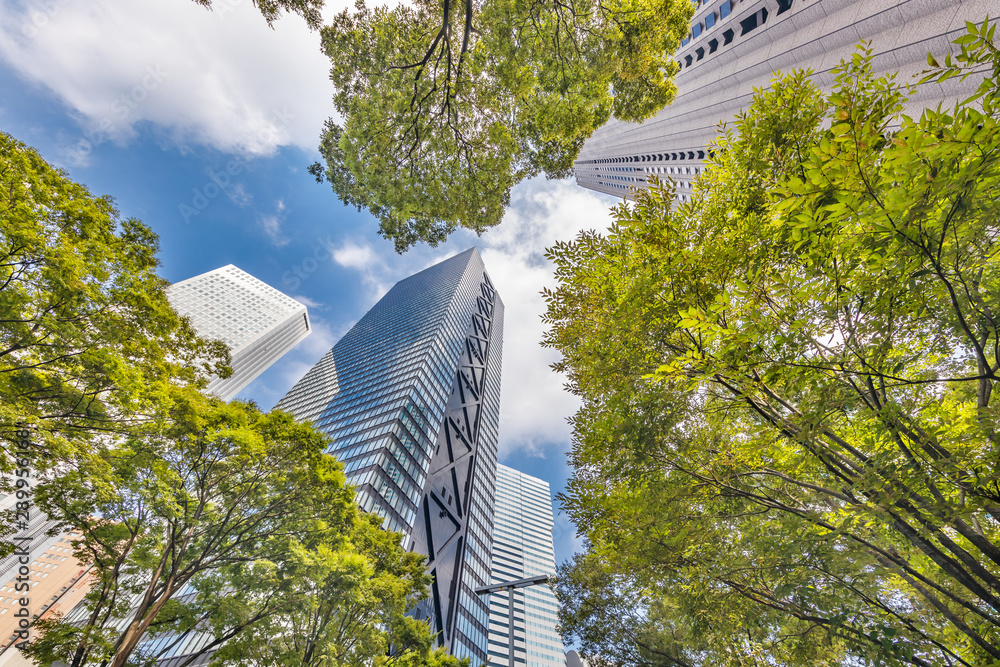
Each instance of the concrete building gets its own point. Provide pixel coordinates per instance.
(256, 321)
(40, 578)
(411, 398)
(736, 45)
(522, 629)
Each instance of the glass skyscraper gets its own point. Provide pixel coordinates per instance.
(411, 397)
(257, 322)
(522, 628)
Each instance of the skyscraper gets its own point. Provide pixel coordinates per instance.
(735, 45)
(40, 577)
(411, 398)
(256, 321)
(522, 629)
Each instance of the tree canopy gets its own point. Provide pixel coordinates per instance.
(446, 105)
(788, 437)
(310, 10)
(222, 521)
(88, 342)
(346, 608)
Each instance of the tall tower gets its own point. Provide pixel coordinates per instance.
(411, 397)
(257, 322)
(522, 628)
(41, 577)
(735, 46)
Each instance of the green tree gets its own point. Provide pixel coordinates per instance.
(619, 620)
(310, 10)
(178, 519)
(446, 105)
(787, 382)
(345, 607)
(88, 342)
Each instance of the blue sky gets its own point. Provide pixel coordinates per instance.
(202, 125)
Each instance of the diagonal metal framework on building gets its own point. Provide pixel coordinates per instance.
(411, 397)
(459, 487)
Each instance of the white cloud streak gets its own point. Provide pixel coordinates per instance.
(352, 255)
(271, 225)
(372, 266)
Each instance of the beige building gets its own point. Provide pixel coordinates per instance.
(50, 583)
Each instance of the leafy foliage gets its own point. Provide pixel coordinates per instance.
(187, 521)
(310, 10)
(788, 435)
(88, 342)
(345, 607)
(619, 621)
(446, 105)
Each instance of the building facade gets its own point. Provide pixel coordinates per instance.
(411, 397)
(522, 628)
(41, 577)
(256, 321)
(735, 46)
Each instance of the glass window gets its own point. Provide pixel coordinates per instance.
(710, 20)
(696, 30)
(725, 9)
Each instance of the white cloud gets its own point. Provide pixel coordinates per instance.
(353, 255)
(271, 224)
(238, 195)
(534, 405)
(371, 265)
(272, 227)
(306, 301)
(221, 78)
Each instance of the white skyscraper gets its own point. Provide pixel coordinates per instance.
(256, 321)
(522, 628)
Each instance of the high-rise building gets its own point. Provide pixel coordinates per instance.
(256, 321)
(411, 398)
(735, 46)
(40, 577)
(522, 629)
